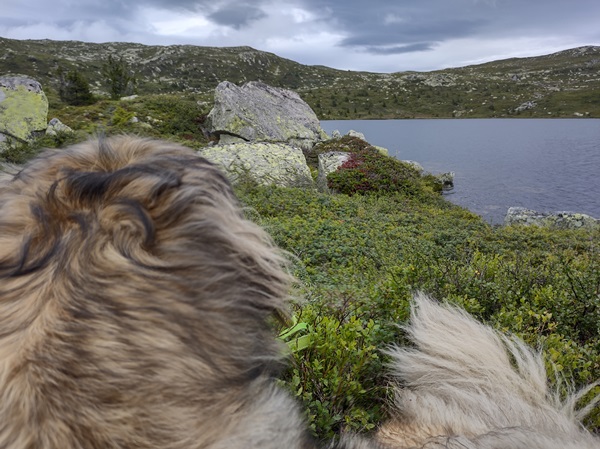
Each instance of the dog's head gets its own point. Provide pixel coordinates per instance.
(139, 237)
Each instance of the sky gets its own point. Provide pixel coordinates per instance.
(367, 35)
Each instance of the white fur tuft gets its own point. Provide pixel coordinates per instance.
(465, 385)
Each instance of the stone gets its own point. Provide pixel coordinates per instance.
(382, 150)
(446, 179)
(415, 165)
(558, 220)
(353, 133)
(55, 126)
(525, 106)
(335, 134)
(256, 112)
(23, 110)
(265, 163)
(329, 162)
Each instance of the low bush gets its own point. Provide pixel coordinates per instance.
(369, 170)
(359, 259)
(22, 152)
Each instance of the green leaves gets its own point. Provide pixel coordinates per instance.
(297, 343)
(119, 77)
(359, 259)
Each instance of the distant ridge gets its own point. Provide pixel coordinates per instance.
(562, 84)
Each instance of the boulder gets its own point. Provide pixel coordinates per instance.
(266, 163)
(256, 112)
(55, 126)
(559, 220)
(353, 133)
(415, 165)
(23, 110)
(382, 150)
(525, 106)
(446, 180)
(329, 162)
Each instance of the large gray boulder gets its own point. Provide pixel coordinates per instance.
(256, 112)
(559, 220)
(266, 163)
(23, 110)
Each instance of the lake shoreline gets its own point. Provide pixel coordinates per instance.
(540, 164)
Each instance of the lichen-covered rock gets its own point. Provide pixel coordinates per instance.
(23, 110)
(559, 220)
(55, 126)
(265, 163)
(382, 150)
(330, 162)
(353, 133)
(415, 165)
(446, 180)
(256, 112)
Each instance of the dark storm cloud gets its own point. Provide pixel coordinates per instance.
(237, 16)
(380, 26)
(399, 49)
(410, 33)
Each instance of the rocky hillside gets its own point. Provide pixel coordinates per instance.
(564, 84)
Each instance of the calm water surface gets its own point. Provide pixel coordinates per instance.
(547, 165)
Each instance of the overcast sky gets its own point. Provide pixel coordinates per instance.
(371, 35)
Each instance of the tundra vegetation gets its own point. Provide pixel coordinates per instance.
(360, 254)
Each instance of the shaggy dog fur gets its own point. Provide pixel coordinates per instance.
(136, 309)
(466, 386)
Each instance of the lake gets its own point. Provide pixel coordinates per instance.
(548, 165)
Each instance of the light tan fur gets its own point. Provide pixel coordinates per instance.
(464, 385)
(134, 306)
(136, 312)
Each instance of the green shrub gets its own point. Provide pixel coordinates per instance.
(175, 115)
(22, 152)
(74, 88)
(359, 259)
(369, 170)
(121, 117)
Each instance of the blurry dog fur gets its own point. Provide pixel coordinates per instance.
(137, 307)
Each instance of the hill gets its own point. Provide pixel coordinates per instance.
(564, 84)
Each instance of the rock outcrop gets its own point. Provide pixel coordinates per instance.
(356, 134)
(256, 112)
(55, 126)
(558, 220)
(23, 110)
(264, 163)
(262, 132)
(328, 163)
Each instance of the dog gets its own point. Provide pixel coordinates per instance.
(138, 306)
